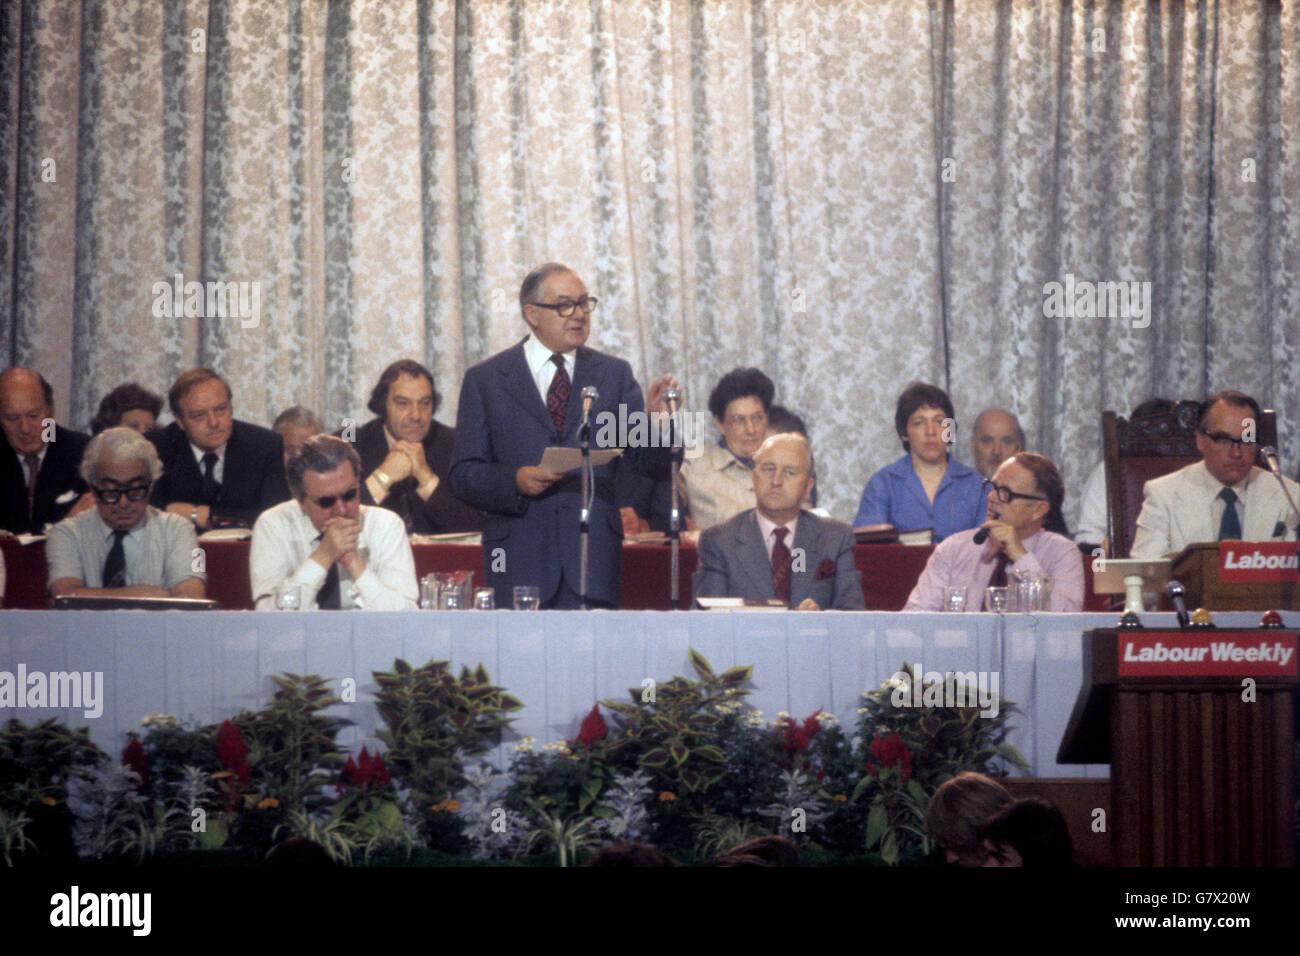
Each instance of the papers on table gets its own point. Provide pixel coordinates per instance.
(226, 534)
(453, 537)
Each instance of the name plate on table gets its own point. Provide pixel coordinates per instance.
(1262, 561)
(1208, 654)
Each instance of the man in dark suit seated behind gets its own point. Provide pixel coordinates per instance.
(777, 550)
(406, 455)
(215, 469)
(39, 483)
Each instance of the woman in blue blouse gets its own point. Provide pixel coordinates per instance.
(925, 488)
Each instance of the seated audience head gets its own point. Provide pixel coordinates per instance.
(780, 419)
(997, 436)
(120, 465)
(739, 404)
(922, 419)
(1024, 490)
(783, 476)
(325, 477)
(1028, 832)
(958, 812)
(26, 401)
(763, 851)
(200, 399)
(128, 405)
(555, 304)
(406, 399)
(295, 425)
(1225, 418)
(630, 855)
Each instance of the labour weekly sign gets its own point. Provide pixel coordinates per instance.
(1216, 654)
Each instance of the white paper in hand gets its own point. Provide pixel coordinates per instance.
(560, 460)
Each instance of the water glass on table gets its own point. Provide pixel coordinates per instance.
(527, 598)
(288, 597)
(995, 600)
(954, 598)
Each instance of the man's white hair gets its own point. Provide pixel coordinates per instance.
(124, 444)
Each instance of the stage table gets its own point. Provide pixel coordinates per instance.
(889, 572)
(210, 666)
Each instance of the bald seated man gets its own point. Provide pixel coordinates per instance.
(777, 549)
(39, 482)
(996, 438)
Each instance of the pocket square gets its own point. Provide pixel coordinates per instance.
(825, 570)
(67, 496)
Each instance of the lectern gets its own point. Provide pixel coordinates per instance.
(1240, 575)
(1198, 727)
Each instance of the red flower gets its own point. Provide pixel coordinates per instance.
(133, 756)
(379, 772)
(364, 772)
(347, 775)
(233, 752)
(794, 738)
(891, 752)
(593, 727)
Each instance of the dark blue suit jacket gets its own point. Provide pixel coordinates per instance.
(252, 478)
(59, 475)
(502, 425)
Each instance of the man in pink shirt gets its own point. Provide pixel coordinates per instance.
(1022, 492)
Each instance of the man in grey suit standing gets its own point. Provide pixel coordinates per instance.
(777, 550)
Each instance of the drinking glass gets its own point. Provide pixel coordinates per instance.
(527, 598)
(288, 597)
(995, 599)
(485, 599)
(428, 592)
(954, 598)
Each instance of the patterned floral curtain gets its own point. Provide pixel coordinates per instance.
(850, 195)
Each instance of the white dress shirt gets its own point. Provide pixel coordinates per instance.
(542, 368)
(219, 469)
(284, 539)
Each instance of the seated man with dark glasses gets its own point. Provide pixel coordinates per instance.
(1024, 490)
(123, 546)
(1225, 496)
(325, 549)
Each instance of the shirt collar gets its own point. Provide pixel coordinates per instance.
(766, 527)
(40, 457)
(537, 355)
(106, 532)
(199, 452)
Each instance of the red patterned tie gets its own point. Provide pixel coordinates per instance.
(557, 396)
(781, 566)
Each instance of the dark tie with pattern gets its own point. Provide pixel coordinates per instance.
(781, 566)
(210, 486)
(1230, 525)
(33, 469)
(999, 579)
(557, 396)
(115, 563)
(327, 598)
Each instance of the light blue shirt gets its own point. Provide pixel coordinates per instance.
(895, 495)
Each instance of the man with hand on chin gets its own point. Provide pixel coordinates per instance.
(1021, 493)
(341, 553)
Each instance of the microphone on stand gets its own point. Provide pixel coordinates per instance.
(671, 398)
(1269, 454)
(589, 394)
(1175, 592)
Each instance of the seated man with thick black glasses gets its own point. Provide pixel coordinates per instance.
(1224, 496)
(123, 546)
(325, 549)
(1010, 543)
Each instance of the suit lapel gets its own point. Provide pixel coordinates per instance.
(517, 382)
(755, 565)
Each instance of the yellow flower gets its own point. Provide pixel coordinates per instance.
(841, 797)
(449, 805)
(49, 801)
(452, 806)
(667, 795)
(862, 710)
(269, 803)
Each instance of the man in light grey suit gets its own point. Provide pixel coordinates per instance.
(777, 550)
(1222, 497)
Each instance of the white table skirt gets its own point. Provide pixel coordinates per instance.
(209, 666)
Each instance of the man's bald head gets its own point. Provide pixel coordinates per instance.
(783, 476)
(26, 401)
(996, 438)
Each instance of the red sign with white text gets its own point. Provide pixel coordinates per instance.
(1208, 654)
(1267, 561)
